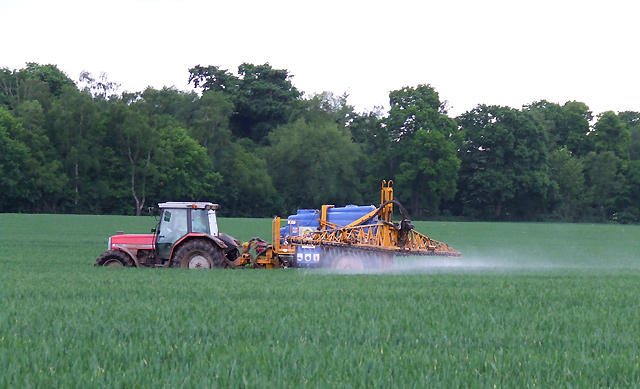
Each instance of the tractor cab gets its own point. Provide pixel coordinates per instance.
(178, 219)
(187, 236)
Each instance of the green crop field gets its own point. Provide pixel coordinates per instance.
(528, 305)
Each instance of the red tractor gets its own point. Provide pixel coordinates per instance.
(187, 236)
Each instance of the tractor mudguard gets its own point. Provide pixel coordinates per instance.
(230, 241)
(130, 253)
(218, 241)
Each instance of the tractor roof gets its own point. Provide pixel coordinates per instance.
(189, 204)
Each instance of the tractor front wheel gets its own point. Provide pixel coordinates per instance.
(114, 258)
(198, 254)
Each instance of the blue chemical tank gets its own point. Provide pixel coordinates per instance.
(306, 220)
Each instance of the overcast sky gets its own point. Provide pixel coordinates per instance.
(492, 52)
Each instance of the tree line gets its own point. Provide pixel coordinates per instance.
(254, 143)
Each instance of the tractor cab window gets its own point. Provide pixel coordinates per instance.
(174, 222)
(199, 221)
(173, 225)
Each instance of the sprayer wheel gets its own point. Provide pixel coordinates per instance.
(347, 261)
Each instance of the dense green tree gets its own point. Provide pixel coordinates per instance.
(632, 120)
(263, 97)
(417, 108)
(168, 106)
(184, 170)
(504, 158)
(265, 101)
(158, 159)
(421, 150)
(604, 182)
(326, 104)
(16, 87)
(15, 187)
(34, 82)
(430, 170)
(214, 79)
(611, 134)
(368, 132)
(136, 141)
(574, 128)
(56, 79)
(248, 188)
(252, 143)
(314, 163)
(567, 171)
(628, 199)
(209, 120)
(77, 134)
(48, 178)
(566, 126)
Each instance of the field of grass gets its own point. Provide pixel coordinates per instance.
(544, 305)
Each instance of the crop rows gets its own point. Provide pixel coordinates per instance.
(64, 323)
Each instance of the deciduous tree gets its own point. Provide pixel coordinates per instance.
(604, 182)
(184, 170)
(314, 163)
(422, 148)
(611, 134)
(263, 97)
(504, 158)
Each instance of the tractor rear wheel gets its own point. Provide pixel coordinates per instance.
(198, 254)
(114, 258)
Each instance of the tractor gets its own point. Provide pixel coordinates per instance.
(350, 237)
(186, 236)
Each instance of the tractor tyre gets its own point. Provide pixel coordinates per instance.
(114, 258)
(198, 254)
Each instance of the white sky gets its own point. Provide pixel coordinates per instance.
(505, 52)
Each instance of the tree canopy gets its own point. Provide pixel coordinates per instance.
(254, 143)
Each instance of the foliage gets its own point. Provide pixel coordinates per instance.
(611, 134)
(566, 126)
(417, 108)
(263, 97)
(628, 200)
(184, 170)
(603, 176)
(421, 147)
(430, 170)
(34, 82)
(14, 156)
(632, 121)
(250, 190)
(568, 174)
(254, 143)
(209, 121)
(29, 167)
(313, 163)
(137, 141)
(504, 157)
